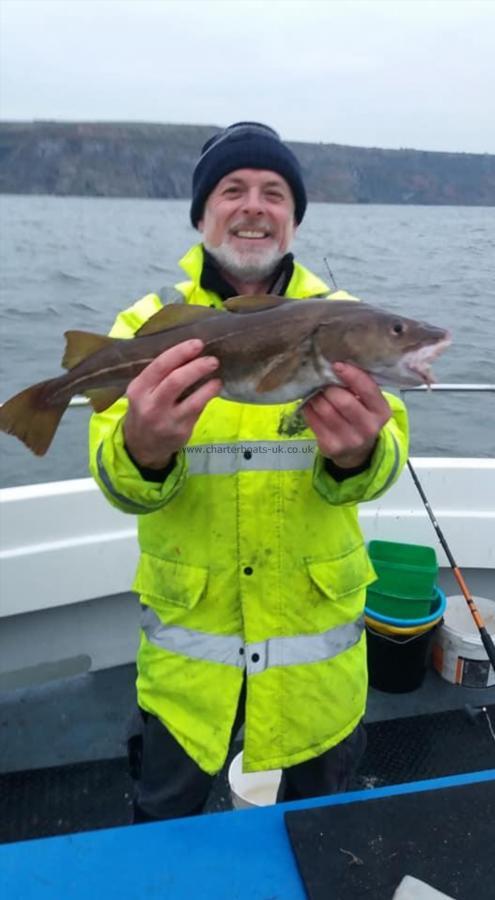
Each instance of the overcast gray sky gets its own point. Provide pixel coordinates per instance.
(386, 73)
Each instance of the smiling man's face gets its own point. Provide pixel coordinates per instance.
(248, 223)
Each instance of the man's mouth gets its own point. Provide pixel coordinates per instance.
(251, 234)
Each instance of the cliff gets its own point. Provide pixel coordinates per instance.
(145, 160)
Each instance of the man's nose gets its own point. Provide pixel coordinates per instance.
(253, 202)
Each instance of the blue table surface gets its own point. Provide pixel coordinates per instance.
(240, 855)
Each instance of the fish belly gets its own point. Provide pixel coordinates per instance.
(306, 382)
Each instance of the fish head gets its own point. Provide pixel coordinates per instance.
(422, 345)
(393, 349)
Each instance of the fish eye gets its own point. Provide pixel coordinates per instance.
(398, 328)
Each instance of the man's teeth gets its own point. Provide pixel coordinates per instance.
(251, 234)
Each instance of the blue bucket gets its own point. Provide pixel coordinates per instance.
(439, 607)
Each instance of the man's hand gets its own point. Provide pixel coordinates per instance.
(158, 422)
(347, 420)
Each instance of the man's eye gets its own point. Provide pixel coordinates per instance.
(231, 191)
(274, 195)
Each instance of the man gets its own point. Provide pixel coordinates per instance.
(253, 570)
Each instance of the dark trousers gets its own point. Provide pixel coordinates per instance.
(169, 784)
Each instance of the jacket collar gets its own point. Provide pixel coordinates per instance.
(301, 281)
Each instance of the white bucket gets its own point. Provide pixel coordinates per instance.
(458, 654)
(252, 788)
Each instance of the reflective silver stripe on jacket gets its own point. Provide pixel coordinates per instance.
(103, 475)
(250, 456)
(220, 648)
(255, 657)
(393, 471)
(304, 648)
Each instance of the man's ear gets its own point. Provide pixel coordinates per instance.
(200, 225)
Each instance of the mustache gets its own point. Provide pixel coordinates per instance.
(251, 225)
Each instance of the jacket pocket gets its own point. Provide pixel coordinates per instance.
(339, 576)
(169, 582)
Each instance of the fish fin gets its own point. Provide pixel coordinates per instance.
(245, 303)
(102, 398)
(279, 372)
(175, 314)
(30, 418)
(82, 344)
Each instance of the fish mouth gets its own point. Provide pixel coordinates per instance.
(419, 360)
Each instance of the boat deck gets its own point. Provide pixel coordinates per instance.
(63, 720)
(64, 767)
(247, 855)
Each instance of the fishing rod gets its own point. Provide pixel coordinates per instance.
(325, 260)
(485, 637)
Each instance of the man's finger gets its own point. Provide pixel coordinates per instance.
(182, 380)
(166, 362)
(329, 424)
(362, 385)
(349, 407)
(193, 405)
(342, 401)
(333, 433)
(327, 420)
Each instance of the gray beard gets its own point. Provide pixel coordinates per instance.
(245, 267)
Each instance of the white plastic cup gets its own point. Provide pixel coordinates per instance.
(250, 789)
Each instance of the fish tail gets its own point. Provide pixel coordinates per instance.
(32, 418)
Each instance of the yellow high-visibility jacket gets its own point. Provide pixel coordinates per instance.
(252, 562)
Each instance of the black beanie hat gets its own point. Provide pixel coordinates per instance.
(245, 145)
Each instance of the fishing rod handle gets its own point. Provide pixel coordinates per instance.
(488, 645)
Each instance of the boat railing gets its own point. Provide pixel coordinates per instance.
(448, 387)
(81, 402)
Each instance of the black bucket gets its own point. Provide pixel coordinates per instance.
(397, 663)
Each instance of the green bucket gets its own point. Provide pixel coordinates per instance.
(405, 572)
(398, 607)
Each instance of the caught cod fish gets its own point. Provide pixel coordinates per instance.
(270, 349)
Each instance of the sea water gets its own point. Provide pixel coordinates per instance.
(73, 263)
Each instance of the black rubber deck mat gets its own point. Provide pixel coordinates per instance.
(65, 799)
(443, 837)
(428, 746)
(92, 795)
